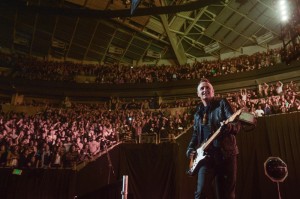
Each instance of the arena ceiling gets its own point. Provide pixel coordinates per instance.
(106, 31)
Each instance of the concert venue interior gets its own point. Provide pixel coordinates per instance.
(98, 96)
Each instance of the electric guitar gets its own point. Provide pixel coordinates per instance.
(200, 152)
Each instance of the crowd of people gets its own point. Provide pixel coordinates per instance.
(64, 137)
(268, 99)
(61, 137)
(35, 69)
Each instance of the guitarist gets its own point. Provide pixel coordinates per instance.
(217, 172)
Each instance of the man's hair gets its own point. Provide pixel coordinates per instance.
(204, 80)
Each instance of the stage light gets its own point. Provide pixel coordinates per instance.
(283, 10)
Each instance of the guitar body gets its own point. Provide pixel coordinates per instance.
(196, 162)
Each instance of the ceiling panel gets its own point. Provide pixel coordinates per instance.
(233, 21)
(89, 37)
(93, 56)
(224, 16)
(221, 33)
(76, 51)
(244, 23)
(212, 30)
(236, 42)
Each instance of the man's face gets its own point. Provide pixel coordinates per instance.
(205, 91)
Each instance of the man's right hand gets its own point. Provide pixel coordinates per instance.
(192, 154)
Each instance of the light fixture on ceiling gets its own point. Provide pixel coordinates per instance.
(264, 38)
(283, 9)
(212, 47)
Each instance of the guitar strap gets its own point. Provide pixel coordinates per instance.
(205, 127)
(205, 118)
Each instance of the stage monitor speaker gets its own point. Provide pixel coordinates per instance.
(248, 121)
(247, 118)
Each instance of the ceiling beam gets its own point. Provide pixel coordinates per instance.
(176, 45)
(108, 45)
(128, 45)
(193, 22)
(52, 35)
(105, 13)
(14, 30)
(144, 53)
(92, 38)
(33, 33)
(144, 31)
(202, 32)
(72, 37)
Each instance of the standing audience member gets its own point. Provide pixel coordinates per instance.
(279, 88)
(13, 156)
(94, 146)
(267, 109)
(56, 161)
(85, 154)
(259, 112)
(265, 90)
(243, 93)
(71, 157)
(3, 155)
(46, 156)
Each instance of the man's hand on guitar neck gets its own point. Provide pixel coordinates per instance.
(227, 128)
(230, 127)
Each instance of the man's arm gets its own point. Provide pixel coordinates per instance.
(231, 127)
(194, 140)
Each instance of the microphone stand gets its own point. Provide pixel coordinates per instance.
(110, 166)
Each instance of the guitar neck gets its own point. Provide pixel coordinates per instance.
(213, 137)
